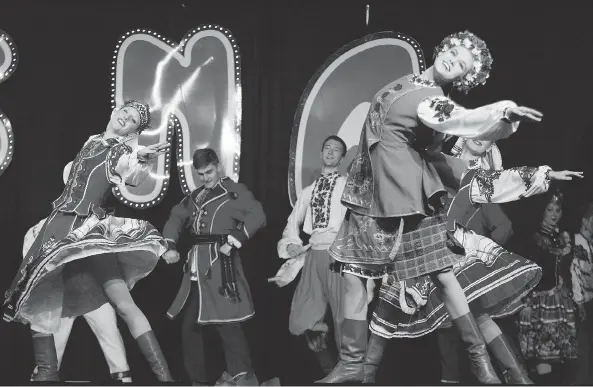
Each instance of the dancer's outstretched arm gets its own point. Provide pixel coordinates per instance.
(503, 186)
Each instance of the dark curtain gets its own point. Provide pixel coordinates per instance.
(59, 96)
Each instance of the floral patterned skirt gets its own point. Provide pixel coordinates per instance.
(414, 308)
(547, 326)
(40, 289)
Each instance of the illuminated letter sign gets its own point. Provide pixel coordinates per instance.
(194, 91)
(337, 99)
(8, 61)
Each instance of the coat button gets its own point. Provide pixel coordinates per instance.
(194, 213)
(202, 225)
(205, 212)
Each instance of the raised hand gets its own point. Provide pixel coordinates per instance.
(523, 114)
(153, 151)
(564, 175)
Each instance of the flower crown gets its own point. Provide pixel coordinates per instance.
(143, 111)
(482, 58)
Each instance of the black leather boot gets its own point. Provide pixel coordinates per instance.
(150, 348)
(350, 366)
(479, 359)
(513, 370)
(373, 357)
(46, 359)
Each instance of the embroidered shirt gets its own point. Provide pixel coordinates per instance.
(319, 211)
(581, 270)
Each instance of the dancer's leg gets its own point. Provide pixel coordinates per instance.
(61, 337)
(350, 367)
(46, 358)
(103, 323)
(237, 354)
(513, 370)
(105, 268)
(456, 305)
(448, 342)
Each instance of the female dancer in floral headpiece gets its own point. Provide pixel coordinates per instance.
(84, 256)
(396, 186)
(547, 328)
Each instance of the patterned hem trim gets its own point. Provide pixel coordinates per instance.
(151, 245)
(379, 326)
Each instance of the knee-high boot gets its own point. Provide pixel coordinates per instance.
(373, 357)
(471, 336)
(352, 350)
(513, 370)
(46, 359)
(150, 348)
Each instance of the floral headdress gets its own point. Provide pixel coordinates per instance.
(143, 110)
(482, 58)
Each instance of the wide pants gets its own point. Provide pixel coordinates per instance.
(318, 288)
(234, 342)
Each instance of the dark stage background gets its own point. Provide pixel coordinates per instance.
(59, 96)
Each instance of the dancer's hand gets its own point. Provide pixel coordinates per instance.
(523, 114)
(152, 151)
(293, 250)
(171, 256)
(226, 249)
(564, 175)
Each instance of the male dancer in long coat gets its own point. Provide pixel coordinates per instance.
(222, 215)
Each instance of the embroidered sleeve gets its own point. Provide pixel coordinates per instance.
(31, 235)
(484, 123)
(503, 186)
(123, 166)
(291, 232)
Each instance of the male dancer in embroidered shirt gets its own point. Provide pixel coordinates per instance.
(320, 212)
(222, 215)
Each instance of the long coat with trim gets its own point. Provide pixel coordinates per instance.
(231, 209)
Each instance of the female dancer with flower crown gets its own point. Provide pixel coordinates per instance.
(84, 256)
(396, 186)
